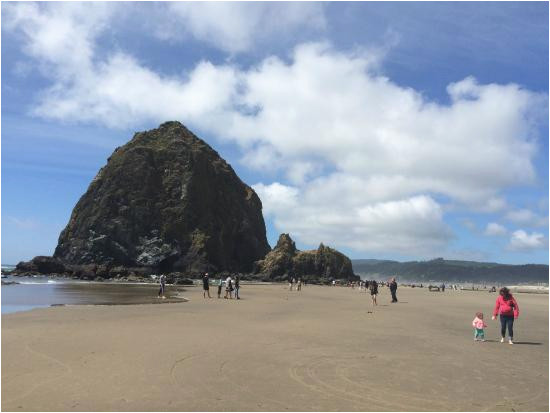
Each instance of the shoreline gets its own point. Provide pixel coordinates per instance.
(249, 278)
(88, 292)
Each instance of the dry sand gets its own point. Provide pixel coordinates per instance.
(313, 350)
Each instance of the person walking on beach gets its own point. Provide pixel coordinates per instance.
(162, 281)
(206, 285)
(373, 287)
(220, 285)
(507, 306)
(299, 285)
(479, 325)
(393, 290)
(228, 287)
(237, 286)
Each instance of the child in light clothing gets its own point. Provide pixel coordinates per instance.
(479, 325)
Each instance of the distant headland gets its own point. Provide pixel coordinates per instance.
(453, 270)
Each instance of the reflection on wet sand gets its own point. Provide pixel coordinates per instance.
(33, 293)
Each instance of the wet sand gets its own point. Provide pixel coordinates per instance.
(42, 292)
(314, 350)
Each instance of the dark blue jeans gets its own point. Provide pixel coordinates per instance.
(507, 320)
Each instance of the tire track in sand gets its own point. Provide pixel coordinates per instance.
(321, 386)
(32, 389)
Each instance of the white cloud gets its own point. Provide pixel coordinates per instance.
(120, 92)
(63, 35)
(521, 240)
(277, 197)
(366, 157)
(527, 217)
(408, 225)
(238, 26)
(494, 229)
(492, 204)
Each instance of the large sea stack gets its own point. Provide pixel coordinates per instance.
(322, 264)
(165, 202)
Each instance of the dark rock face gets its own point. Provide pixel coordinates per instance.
(286, 261)
(41, 265)
(167, 202)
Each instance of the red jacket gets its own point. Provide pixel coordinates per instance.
(506, 307)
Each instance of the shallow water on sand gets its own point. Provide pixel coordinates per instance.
(36, 292)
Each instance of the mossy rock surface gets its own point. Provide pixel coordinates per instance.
(286, 262)
(166, 202)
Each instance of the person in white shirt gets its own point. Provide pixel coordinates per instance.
(228, 287)
(162, 281)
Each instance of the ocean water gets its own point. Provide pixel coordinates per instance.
(37, 292)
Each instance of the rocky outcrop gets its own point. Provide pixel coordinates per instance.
(165, 202)
(285, 261)
(41, 265)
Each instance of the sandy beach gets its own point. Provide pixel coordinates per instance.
(315, 350)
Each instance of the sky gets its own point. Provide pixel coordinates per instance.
(407, 131)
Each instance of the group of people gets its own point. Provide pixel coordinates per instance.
(231, 287)
(372, 287)
(295, 284)
(506, 307)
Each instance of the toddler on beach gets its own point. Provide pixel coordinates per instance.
(479, 325)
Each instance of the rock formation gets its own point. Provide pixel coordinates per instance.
(286, 261)
(165, 202)
(41, 265)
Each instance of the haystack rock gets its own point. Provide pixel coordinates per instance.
(165, 202)
(286, 261)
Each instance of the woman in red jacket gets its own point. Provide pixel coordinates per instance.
(508, 309)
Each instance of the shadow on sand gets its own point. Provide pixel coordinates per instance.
(528, 343)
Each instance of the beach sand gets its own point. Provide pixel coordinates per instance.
(314, 350)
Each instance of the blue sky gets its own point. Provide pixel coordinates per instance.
(388, 130)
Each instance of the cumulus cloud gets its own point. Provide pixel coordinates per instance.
(411, 225)
(522, 241)
(364, 158)
(494, 229)
(238, 26)
(63, 35)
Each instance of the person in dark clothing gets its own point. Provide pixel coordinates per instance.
(220, 285)
(373, 288)
(206, 285)
(237, 286)
(393, 290)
